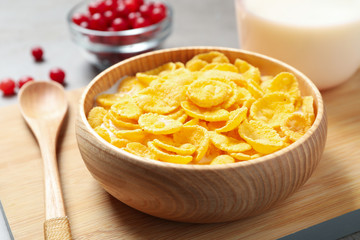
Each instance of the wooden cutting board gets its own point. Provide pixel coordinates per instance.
(333, 189)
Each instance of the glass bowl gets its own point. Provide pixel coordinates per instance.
(105, 48)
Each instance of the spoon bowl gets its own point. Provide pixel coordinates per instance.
(44, 107)
(36, 94)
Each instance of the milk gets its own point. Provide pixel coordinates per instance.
(321, 38)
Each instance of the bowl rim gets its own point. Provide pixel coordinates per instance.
(131, 32)
(321, 114)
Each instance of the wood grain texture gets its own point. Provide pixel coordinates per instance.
(198, 193)
(331, 191)
(44, 107)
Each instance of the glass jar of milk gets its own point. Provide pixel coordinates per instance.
(321, 38)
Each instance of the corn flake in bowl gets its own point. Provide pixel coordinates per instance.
(201, 134)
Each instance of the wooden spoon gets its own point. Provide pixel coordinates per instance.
(44, 106)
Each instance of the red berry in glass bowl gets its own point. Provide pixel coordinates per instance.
(146, 9)
(23, 80)
(132, 17)
(109, 16)
(159, 5)
(7, 86)
(121, 10)
(119, 24)
(157, 14)
(132, 5)
(37, 53)
(141, 22)
(57, 75)
(110, 5)
(84, 24)
(78, 18)
(97, 7)
(98, 22)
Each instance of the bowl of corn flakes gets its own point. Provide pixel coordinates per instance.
(201, 134)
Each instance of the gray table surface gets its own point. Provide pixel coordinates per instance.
(24, 24)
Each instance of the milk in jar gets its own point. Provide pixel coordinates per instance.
(321, 38)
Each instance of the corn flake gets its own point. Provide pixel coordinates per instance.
(112, 119)
(161, 97)
(222, 159)
(208, 114)
(96, 116)
(235, 118)
(127, 108)
(212, 57)
(139, 149)
(131, 135)
(285, 82)
(260, 136)
(228, 67)
(168, 157)
(307, 108)
(195, 65)
(158, 124)
(247, 155)
(192, 122)
(106, 100)
(171, 146)
(119, 142)
(208, 93)
(228, 144)
(295, 126)
(103, 132)
(130, 86)
(219, 75)
(273, 108)
(197, 136)
(147, 77)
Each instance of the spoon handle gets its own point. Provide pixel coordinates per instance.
(57, 229)
(57, 224)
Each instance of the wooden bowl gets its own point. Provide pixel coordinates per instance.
(199, 193)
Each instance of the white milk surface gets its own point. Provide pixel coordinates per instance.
(321, 38)
(310, 13)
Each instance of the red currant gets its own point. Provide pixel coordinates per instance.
(109, 16)
(57, 74)
(132, 17)
(119, 24)
(121, 10)
(37, 53)
(97, 7)
(78, 18)
(110, 5)
(98, 22)
(7, 85)
(24, 80)
(141, 22)
(131, 5)
(157, 14)
(159, 5)
(145, 10)
(84, 24)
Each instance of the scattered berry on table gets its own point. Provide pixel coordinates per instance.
(57, 74)
(7, 86)
(37, 53)
(24, 80)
